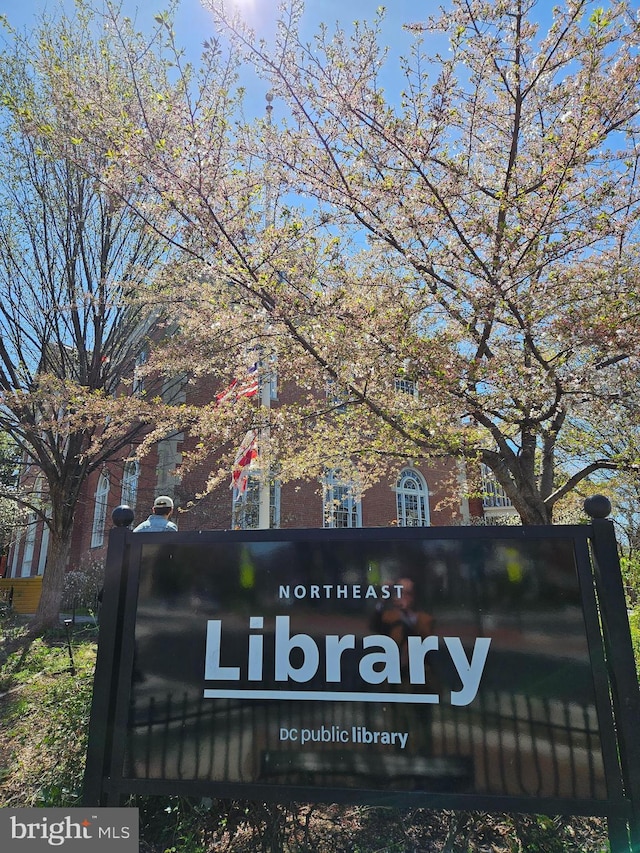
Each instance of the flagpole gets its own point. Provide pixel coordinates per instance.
(264, 506)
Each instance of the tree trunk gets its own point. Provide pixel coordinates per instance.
(48, 613)
(533, 512)
(517, 476)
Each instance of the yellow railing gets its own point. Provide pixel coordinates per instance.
(26, 593)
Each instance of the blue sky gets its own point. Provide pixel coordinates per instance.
(194, 23)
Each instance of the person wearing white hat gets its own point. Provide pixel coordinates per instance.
(158, 521)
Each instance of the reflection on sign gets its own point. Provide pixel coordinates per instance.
(400, 664)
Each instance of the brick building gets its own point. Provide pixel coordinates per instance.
(421, 494)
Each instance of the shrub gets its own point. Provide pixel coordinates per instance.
(81, 586)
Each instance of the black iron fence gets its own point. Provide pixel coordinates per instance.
(504, 743)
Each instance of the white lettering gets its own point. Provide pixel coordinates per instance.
(256, 650)
(54, 833)
(335, 646)
(354, 591)
(417, 649)
(18, 829)
(212, 669)
(388, 658)
(470, 673)
(297, 658)
(288, 734)
(285, 645)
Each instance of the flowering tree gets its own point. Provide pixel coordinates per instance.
(470, 238)
(71, 257)
(498, 193)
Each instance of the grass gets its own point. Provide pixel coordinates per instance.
(45, 711)
(44, 707)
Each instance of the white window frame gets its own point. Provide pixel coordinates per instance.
(29, 545)
(271, 376)
(402, 385)
(100, 511)
(44, 544)
(245, 508)
(169, 459)
(493, 493)
(138, 374)
(32, 525)
(412, 499)
(341, 504)
(13, 572)
(274, 504)
(44, 539)
(130, 478)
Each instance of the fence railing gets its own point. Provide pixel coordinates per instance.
(503, 744)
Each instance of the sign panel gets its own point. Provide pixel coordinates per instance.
(393, 661)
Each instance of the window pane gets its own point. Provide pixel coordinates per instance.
(130, 484)
(341, 508)
(100, 512)
(245, 512)
(412, 500)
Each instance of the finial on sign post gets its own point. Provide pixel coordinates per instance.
(597, 506)
(122, 516)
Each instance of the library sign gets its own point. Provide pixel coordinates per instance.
(444, 667)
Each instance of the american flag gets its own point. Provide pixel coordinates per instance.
(248, 386)
(244, 460)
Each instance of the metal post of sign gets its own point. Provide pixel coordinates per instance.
(621, 666)
(105, 679)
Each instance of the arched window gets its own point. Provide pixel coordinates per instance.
(412, 499)
(100, 511)
(130, 483)
(341, 504)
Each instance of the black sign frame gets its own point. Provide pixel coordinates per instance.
(611, 659)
